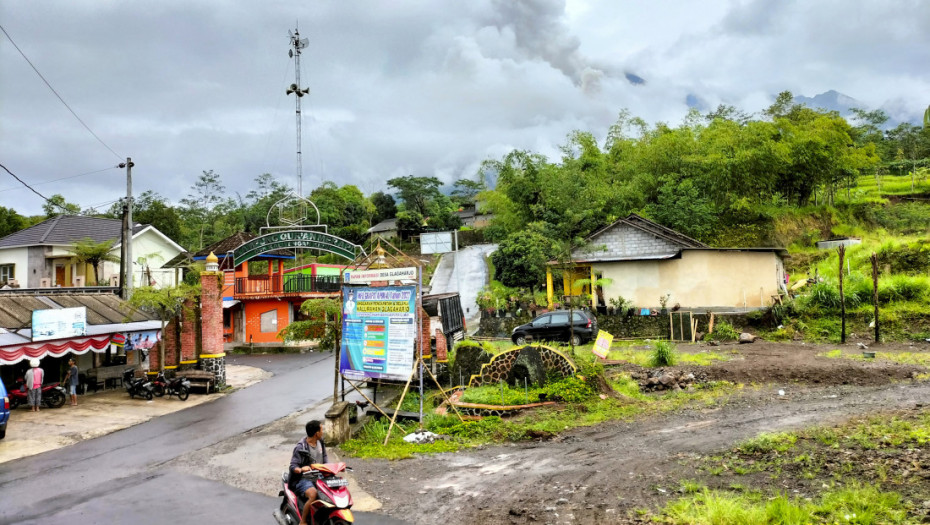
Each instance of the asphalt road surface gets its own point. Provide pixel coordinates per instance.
(124, 477)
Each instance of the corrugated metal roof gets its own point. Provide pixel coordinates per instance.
(102, 309)
(66, 230)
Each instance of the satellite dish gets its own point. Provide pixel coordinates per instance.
(304, 42)
(290, 53)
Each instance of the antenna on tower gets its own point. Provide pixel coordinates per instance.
(297, 44)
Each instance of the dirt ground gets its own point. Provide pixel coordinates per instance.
(604, 473)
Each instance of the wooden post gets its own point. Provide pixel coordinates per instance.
(841, 251)
(671, 327)
(681, 325)
(875, 292)
(710, 324)
(691, 318)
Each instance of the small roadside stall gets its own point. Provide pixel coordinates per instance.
(95, 327)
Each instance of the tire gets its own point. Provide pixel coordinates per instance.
(576, 340)
(54, 399)
(336, 521)
(184, 393)
(14, 402)
(148, 395)
(158, 390)
(2, 433)
(520, 340)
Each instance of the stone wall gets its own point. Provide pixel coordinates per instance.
(625, 241)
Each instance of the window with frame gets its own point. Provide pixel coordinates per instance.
(269, 321)
(7, 272)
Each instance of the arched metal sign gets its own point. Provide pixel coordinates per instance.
(296, 239)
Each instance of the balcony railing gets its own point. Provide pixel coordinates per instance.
(272, 284)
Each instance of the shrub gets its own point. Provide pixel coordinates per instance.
(571, 389)
(664, 353)
(723, 331)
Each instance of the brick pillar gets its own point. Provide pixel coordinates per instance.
(171, 344)
(212, 357)
(426, 350)
(189, 335)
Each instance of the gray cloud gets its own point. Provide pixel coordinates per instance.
(405, 88)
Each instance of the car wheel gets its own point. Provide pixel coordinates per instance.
(2, 433)
(520, 340)
(576, 339)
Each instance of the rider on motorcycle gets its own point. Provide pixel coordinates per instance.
(308, 450)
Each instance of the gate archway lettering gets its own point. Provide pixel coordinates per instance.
(296, 239)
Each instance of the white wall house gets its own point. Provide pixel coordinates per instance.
(42, 256)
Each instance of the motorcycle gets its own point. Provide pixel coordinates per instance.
(333, 499)
(179, 386)
(141, 387)
(53, 395)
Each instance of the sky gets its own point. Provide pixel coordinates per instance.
(403, 88)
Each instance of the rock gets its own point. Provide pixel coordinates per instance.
(420, 437)
(746, 337)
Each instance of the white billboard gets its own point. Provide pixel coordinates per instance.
(60, 323)
(438, 242)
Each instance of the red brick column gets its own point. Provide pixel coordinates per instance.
(171, 344)
(426, 350)
(189, 334)
(211, 313)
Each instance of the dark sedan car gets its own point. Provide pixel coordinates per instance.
(554, 326)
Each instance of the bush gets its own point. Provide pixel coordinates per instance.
(723, 331)
(572, 389)
(664, 353)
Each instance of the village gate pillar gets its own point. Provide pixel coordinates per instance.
(212, 357)
(189, 322)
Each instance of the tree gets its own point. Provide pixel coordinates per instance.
(166, 303)
(205, 210)
(681, 207)
(385, 207)
(466, 191)
(520, 259)
(416, 192)
(57, 205)
(88, 251)
(10, 221)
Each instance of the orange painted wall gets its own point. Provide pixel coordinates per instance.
(253, 319)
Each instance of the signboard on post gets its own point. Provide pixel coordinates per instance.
(379, 332)
(387, 274)
(59, 323)
(438, 242)
(602, 344)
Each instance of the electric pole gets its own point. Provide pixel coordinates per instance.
(126, 251)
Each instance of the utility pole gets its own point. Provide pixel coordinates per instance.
(126, 251)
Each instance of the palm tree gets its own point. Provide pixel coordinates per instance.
(88, 251)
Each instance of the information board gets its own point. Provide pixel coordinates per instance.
(379, 332)
(59, 323)
(602, 344)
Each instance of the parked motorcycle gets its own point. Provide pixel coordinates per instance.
(179, 386)
(333, 501)
(53, 395)
(137, 386)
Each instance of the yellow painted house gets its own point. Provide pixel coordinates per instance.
(647, 263)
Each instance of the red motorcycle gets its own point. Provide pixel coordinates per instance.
(53, 395)
(333, 500)
(179, 386)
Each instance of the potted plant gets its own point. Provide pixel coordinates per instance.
(663, 302)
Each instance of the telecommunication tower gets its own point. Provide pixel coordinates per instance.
(297, 44)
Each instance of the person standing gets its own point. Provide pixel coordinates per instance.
(71, 378)
(34, 378)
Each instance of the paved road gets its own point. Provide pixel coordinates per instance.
(466, 273)
(124, 478)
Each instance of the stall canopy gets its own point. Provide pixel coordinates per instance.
(106, 315)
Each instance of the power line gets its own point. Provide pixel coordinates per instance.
(57, 95)
(28, 186)
(63, 178)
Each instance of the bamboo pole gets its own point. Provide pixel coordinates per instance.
(875, 291)
(693, 325)
(681, 325)
(671, 327)
(370, 402)
(841, 251)
(443, 392)
(710, 324)
(402, 396)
